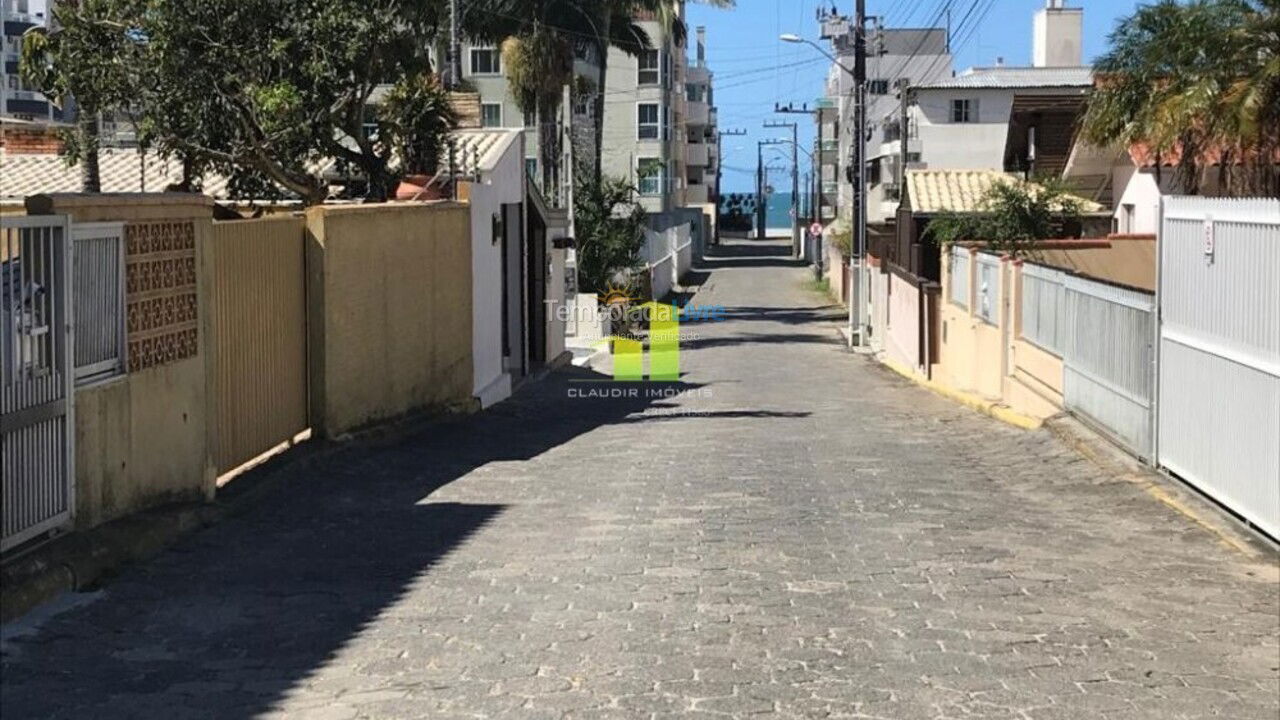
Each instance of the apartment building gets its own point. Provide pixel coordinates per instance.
(17, 99)
(659, 126)
(702, 154)
(1005, 118)
(829, 162)
(896, 57)
(645, 105)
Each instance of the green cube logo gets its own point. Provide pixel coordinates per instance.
(664, 347)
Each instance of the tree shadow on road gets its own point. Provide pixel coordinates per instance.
(236, 618)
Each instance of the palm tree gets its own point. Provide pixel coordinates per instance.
(87, 57)
(1197, 82)
(597, 25)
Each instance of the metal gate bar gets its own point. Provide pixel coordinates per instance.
(36, 377)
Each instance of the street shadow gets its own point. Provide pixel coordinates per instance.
(700, 343)
(234, 619)
(748, 253)
(678, 413)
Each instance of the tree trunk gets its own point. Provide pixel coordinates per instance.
(90, 178)
(597, 122)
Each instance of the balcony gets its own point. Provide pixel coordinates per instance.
(696, 154)
(697, 113)
(697, 195)
(698, 76)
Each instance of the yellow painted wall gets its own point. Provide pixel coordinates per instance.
(972, 353)
(969, 355)
(389, 307)
(144, 439)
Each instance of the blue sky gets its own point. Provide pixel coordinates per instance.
(753, 69)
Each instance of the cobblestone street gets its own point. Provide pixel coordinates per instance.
(791, 530)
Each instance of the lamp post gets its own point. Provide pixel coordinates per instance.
(857, 307)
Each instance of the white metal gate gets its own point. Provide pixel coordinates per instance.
(1219, 384)
(36, 376)
(1107, 374)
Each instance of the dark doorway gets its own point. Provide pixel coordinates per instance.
(537, 286)
(513, 291)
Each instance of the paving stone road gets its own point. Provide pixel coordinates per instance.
(797, 533)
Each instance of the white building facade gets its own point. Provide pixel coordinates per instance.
(895, 58)
(18, 99)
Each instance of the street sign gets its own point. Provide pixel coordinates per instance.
(815, 229)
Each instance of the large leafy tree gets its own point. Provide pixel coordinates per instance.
(1195, 83)
(266, 91)
(90, 56)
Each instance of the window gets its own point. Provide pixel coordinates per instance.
(491, 114)
(485, 61)
(648, 73)
(647, 121)
(98, 300)
(963, 111)
(530, 118)
(650, 171)
(531, 167)
(666, 122)
(878, 87)
(695, 92)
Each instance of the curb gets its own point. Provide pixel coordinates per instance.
(77, 561)
(989, 408)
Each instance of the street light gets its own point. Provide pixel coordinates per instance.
(857, 307)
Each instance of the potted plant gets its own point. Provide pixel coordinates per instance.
(416, 117)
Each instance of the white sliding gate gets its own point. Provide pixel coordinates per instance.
(1107, 359)
(1219, 384)
(36, 377)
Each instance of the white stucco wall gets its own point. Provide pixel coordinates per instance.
(963, 146)
(505, 184)
(1136, 188)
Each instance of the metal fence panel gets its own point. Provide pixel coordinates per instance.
(98, 278)
(37, 351)
(1043, 308)
(960, 276)
(1107, 360)
(1219, 398)
(987, 291)
(259, 331)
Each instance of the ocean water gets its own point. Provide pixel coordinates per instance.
(778, 211)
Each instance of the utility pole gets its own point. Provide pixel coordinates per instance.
(904, 128)
(455, 47)
(720, 135)
(858, 315)
(795, 184)
(760, 189)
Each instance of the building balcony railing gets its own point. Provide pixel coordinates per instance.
(697, 194)
(697, 114)
(696, 155)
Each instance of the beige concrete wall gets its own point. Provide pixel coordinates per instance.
(145, 438)
(993, 361)
(389, 306)
(1034, 384)
(970, 350)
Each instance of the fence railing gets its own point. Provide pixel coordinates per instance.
(1219, 350)
(98, 293)
(1043, 307)
(1107, 360)
(37, 350)
(960, 276)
